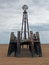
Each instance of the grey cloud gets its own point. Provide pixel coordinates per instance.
(39, 28)
(12, 7)
(8, 3)
(16, 3)
(41, 2)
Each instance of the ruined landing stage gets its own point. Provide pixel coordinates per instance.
(24, 37)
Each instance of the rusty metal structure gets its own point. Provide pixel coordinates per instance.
(25, 37)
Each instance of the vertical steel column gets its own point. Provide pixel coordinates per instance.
(28, 28)
(25, 24)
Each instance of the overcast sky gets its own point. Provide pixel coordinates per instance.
(11, 18)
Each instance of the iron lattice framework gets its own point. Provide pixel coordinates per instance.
(25, 25)
(33, 41)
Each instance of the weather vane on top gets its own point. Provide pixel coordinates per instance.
(25, 7)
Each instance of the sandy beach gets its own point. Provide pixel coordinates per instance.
(4, 60)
